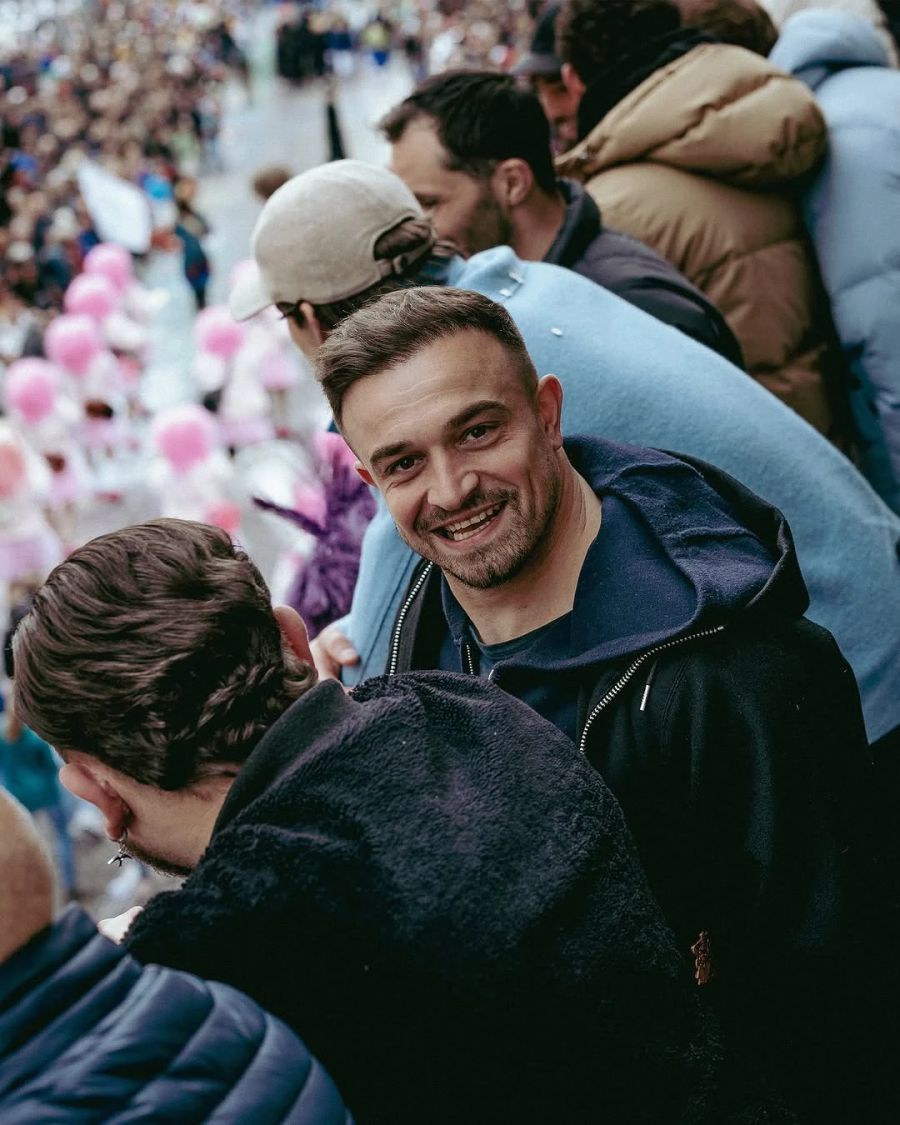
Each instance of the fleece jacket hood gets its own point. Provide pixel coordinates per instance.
(375, 878)
(690, 549)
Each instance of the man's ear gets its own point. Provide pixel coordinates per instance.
(512, 181)
(90, 780)
(549, 404)
(313, 323)
(572, 82)
(293, 630)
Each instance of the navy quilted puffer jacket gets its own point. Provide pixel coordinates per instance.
(89, 1035)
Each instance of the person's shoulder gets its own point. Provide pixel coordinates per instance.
(151, 1016)
(788, 659)
(500, 274)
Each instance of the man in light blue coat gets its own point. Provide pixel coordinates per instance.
(626, 376)
(852, 211)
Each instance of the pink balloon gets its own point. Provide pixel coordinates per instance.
(93, 295)
(110, 261)
(12, 469)
(217, 333)
(72, 341)
(276, 372)
(31, 386)
(225, 514)
(185, 436)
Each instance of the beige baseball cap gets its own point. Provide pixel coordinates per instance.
(315, 237)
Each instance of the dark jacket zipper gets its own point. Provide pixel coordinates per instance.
(598, 707)
(629, 673)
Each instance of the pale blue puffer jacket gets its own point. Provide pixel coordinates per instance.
(852, 211)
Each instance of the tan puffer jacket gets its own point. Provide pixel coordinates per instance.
(693, 162)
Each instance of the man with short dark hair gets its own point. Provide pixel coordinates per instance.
(421, 877)
(474, 149)
(651, 608)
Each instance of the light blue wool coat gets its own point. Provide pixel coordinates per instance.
(852, 211)
(631, 378)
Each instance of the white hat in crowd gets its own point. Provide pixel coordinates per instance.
(315, 237)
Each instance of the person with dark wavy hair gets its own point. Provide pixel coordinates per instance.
(421, 877)
(698, 148)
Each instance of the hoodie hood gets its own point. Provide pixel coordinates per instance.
(816, 44)
(717, 110)
(682, 548)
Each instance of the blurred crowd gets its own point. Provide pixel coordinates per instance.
(432, 35)
(133, 87)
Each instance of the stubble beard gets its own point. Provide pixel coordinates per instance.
(488, 567)
(159, 864)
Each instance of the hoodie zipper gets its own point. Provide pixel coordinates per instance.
(629, 673)
(401, 617)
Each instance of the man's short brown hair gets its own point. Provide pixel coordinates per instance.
(155, 649)
(398, 326)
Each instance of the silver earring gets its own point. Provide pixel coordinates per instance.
(121, 855)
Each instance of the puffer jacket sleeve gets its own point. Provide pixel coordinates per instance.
(790, 141)
(169, 1047)
(853, 215)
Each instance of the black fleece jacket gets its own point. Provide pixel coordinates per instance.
(428, 880)
(733, 738)
(636, 273)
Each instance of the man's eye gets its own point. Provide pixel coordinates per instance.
(402, 466)
(475, 433)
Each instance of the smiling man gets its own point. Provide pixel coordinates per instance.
(652, 609)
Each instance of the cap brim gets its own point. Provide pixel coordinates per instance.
(534, 65)
(249, 296)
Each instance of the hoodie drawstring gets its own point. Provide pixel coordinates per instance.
(646, 694)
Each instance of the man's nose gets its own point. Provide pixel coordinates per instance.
(450, 484)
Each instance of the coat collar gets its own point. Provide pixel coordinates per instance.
(581, 225)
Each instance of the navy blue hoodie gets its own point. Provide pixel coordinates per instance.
(729, 728)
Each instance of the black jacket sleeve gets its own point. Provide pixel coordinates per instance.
(746, 782)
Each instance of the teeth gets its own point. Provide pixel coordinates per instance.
(455, 530)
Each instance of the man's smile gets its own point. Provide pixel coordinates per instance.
(468, 528)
